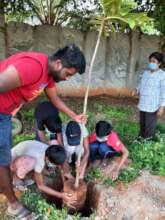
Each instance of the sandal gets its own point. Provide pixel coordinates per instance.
(18, 213)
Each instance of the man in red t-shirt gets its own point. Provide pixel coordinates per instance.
(23, 77)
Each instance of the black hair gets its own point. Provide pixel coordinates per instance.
(56, 154)
(71, 56)
(54, 124)
(158, 56)
(103, 128)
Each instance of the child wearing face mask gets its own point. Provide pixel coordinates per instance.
(105, 143)
(151, 92)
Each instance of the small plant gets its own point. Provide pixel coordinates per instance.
(109, 182)
(36, 203)
(128, 175)
(28, 115)
(94, 174)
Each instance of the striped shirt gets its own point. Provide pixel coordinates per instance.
(151, 91)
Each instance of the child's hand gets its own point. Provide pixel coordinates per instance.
(69, 198)
(77, 164)
(69, 176)
(114, 174)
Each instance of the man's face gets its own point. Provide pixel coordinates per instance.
(60, 73)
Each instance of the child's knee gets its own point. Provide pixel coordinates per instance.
(94, 146)
(103, 149)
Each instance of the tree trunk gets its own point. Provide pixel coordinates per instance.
(133, 57)
(88, 87)
(2, 31)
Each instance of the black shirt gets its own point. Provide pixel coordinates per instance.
(47, 116)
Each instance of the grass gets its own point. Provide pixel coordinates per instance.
(35, 202)
(28, 115)
(22, 137)
(148, 155)
(94, 174)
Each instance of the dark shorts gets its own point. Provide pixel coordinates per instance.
(5, 139)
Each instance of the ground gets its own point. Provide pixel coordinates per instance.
(123, 114)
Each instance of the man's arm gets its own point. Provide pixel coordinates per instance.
(56, 101)
(9, 79)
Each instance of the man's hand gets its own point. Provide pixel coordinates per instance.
(82, 118)
(160, 111)
(114, 174)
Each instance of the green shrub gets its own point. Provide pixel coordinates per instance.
(22, 137)
(28, 115)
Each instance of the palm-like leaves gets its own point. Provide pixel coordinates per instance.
(120, 12)
(49, 11)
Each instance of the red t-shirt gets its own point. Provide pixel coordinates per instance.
(32, 68)
(113, 141)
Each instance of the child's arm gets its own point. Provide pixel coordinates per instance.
(65, 171)
(162, 98)
(42, 136)
(59, 138)
(41, 186)
(116, 170)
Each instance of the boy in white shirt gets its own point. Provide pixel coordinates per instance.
(30, 156)
(71, 134)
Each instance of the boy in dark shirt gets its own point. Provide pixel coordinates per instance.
(47, 120)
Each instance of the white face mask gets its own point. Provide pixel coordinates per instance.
(103, 139)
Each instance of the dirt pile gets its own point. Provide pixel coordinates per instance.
(143, 199)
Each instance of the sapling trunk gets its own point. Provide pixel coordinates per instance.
(87, 91)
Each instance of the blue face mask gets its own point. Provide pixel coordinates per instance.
(153, 66)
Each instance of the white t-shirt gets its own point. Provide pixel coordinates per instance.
(70, 150)
(33, 149)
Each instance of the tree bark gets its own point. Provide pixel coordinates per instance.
(3, 51)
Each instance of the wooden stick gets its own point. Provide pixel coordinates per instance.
(87, 92)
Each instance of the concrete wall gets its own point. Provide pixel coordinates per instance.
(120, 58)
